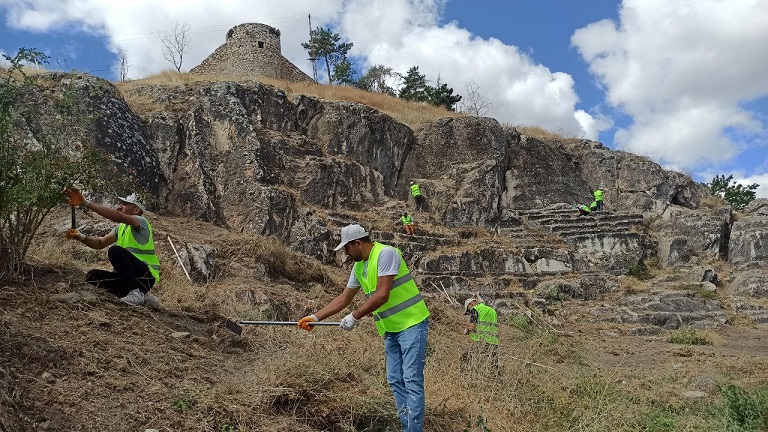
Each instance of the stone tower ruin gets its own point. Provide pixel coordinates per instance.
(251, 50)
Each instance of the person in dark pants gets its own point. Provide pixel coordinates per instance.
(131, 253)
(421, 203)
(598, 194)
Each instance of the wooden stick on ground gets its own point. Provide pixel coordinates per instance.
(179, 258)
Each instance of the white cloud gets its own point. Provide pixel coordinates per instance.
(682, 70)
(402, 33)
(396, 33)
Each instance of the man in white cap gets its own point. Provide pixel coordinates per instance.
(133, 257)
(483, 330)
(399, 311)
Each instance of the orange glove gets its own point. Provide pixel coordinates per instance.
(304, 322)
(73, 234)
(75, 197)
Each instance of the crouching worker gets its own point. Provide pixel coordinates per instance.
(398, 310)
(132, 254)
(483, 331)
(408, 226)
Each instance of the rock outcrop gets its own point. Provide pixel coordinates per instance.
(247, 157)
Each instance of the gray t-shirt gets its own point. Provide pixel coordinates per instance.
(388, 265)
(141, 234)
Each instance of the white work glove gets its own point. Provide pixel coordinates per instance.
(348, 323)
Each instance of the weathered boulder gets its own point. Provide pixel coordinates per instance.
(460, 164)
(359, 133)
(631, 182)
(668, 309)
(705, 233)
(749, 240)
(673, 251)
(758, 206)
(540, 174)
(752, 283)
(199, 261)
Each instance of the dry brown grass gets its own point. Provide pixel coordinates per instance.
(409, 113)
(539, 132)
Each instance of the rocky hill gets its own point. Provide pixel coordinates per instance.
(228, 161)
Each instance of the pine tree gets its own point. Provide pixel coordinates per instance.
(325, 44)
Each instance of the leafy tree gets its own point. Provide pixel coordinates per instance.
(45, 136)
(325, 44)
(344, 73)
(375, 80)
(175, 44)
(736, 194)
(442, 95)
(414, 86)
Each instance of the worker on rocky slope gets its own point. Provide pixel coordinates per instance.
(421, 203)
(598, 195)
(408, 226)
(483, 331)
(399, 311)
(133, 257)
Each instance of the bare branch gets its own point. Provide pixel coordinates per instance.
(123, 63)
(176, 44)
(474, 102)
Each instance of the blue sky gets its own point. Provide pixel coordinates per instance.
(684, 82)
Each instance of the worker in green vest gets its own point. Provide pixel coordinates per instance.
(408, 226)
(583, 210)
(398, 310)
(132, 251)
(421, 203)
(598, 194)
(483, 330)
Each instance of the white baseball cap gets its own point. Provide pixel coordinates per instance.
(468, 301)
(350, 233)
(133, 199)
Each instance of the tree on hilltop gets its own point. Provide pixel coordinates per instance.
(175, 44)
(325, 44)
(739, 196)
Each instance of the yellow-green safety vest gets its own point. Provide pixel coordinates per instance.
(144, 252)
(406, 220)
(415, 191)
(405, 307)
(585, 208)
(598, 195)
(487, 327)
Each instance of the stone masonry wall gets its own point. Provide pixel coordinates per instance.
(251, 50)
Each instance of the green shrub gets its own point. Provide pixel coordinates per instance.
(745, 411)
(689, 336)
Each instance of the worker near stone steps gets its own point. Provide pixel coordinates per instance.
(583, 210)
(598, 194)
(399, 312)
(408, 226)
(593, 206)
(132, 254)
(421, 203)
(483, 331)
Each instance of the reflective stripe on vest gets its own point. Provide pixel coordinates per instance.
(486, 328)
(406, 220)
(145, 253)
(405, 306)
(415, 190)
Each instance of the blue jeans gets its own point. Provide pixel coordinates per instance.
(405, 352)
